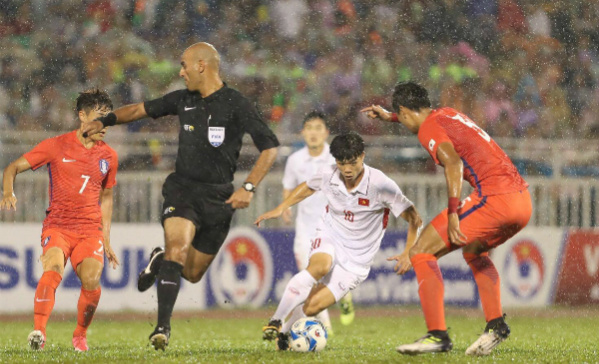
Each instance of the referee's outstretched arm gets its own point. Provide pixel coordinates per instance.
(122, 115)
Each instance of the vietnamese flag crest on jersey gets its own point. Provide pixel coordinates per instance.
(363, 202)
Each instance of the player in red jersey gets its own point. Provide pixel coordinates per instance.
(499, 207)
(77, 225)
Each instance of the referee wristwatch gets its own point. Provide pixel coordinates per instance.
(249, 186)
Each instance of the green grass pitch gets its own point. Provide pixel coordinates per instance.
(556, 335)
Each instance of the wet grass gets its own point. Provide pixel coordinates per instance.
(545, 336)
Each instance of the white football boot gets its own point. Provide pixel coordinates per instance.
(495, 333)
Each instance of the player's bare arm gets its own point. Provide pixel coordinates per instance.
(377, 112)
(454, 171)
(299, 194)
(106, 198)
(287, 214)
(241, 198)
(414, 221)
(122, 115)
(9, 200)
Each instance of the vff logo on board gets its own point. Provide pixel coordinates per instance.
(242, 272)
(525, 269)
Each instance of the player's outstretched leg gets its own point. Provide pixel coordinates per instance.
(295, 293)
(347, 309)
(431, 297)
(430, 290)
(147, 277)
(496, 332)
(169, 282)
(89, 271)
(86, 308)
(43, 302)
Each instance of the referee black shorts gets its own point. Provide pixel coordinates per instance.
(204, 205)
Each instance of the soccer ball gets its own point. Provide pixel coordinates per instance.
(308, 334)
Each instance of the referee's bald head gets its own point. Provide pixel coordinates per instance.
(203, 51)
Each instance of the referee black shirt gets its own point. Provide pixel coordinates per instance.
(211, 132)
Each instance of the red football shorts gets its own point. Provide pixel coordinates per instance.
(75, 245)
(490, 219)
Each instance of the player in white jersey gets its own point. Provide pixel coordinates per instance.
(359, 200)
(300, 166)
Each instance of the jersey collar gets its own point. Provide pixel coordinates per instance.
(216, 94)
(362, 186)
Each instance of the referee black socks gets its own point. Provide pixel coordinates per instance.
(169, 281)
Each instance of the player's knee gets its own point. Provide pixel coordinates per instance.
(89, 272)
(90, 278)
(176, 253)
(476, 248)
(319, 269)
(54, 267)
(53, 260)
(192, 277)
(90, 282)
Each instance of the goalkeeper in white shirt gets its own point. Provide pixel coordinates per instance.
(358, 199)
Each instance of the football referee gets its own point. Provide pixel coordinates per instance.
(199, 198)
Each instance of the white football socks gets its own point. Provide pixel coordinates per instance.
(296, 292)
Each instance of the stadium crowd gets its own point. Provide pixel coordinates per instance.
(519, 68)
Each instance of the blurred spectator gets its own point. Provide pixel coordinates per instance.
(288, 17)
(510, 16)
(498, 108)
(537, 20)
(529, 65)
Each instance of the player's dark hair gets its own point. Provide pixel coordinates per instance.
(315, 114)
(93, 98)
(410, 95)
(347, 147)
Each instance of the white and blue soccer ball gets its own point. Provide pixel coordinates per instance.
(308, 334)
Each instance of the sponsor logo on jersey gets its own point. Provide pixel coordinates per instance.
(525, 269)
(242, 273)
(187, 127)
(46, 240)
(168, 210)
(103, 166)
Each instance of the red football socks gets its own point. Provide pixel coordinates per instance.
(487, 280)
(430, 290)
(86, 307)
(43, 301)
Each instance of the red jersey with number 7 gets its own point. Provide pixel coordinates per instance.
(77, 176)
(486, 166)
